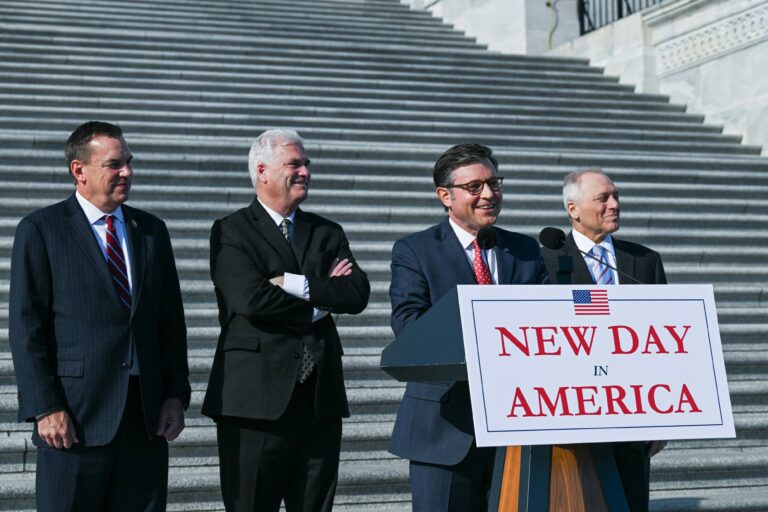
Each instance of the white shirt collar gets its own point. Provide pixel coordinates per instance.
(465, 238)
(586, 245)
(276, 217)
(93, 214)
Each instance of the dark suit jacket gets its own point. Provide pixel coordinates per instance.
(263, 328)
(71, 336)
(644, 265)
(434, 423)
(634, 259)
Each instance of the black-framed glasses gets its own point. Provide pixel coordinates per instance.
(476, 187)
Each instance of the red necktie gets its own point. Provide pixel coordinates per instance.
(482, 274)
(116, 263)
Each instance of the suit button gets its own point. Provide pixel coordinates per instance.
(125, 366)
(295, 355)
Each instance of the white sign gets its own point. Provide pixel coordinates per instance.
(584, 364)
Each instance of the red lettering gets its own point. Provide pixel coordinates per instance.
(638, 399)
(652, 399)
(581, 342)
(541, 340)
(545, 400)
(617, 348)
(653, 338)
(678, 339)
(523, 347)
(615, 400)
(687, 398)
(582, 400)
(520, 401)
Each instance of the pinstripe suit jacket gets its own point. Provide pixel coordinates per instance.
(71, 336)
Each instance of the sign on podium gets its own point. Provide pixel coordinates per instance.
(588, 364)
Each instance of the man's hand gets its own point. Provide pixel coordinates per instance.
(171, 419)
(57, 430)
(656, 447)
(340, 268)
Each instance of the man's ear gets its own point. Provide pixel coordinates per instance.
(573, 211)
(76, 171)
(261, 172)
(444, 195)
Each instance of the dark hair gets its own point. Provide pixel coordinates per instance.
(459, 156)
(76, 147)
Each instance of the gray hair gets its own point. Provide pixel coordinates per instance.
(263, 148)
(572, 184)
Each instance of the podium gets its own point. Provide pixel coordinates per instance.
(564, 478)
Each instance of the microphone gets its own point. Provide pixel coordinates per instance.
(554, 239)
(486, 238)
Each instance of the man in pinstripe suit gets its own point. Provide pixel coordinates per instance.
(98, 337)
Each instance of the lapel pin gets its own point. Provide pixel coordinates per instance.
(134, 224)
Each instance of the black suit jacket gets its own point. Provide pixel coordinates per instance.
(71, 336)
(633, 259)
(263, 328)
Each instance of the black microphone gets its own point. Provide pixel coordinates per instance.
(486, 238)
(553, 238)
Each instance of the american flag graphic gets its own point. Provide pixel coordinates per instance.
(591, 302)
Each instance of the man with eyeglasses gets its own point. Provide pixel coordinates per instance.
(434, 424)
(276, 389)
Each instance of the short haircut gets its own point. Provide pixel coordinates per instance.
(459, 156)
(77, 147)
(572, 184)
(263, 148)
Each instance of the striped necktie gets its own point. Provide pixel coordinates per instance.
(600, 270)
(116, 263)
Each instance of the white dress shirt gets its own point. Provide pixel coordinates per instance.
(99, 226)
(586, 245)
(467, 241)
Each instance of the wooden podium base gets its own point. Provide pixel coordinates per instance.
(564, 478)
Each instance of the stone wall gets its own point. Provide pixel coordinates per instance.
(711, 55)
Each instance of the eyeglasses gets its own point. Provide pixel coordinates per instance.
(476, 187)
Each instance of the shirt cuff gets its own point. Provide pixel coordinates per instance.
(296, 285)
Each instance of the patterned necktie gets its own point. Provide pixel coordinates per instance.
(307, 361)
(116, 263)
(482, 274)
(600, 270)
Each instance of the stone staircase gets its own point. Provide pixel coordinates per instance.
(377, 91)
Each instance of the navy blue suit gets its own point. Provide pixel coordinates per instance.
(71, 337)
(434, 423)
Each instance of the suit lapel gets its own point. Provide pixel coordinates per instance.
(138, 255)
(581, 273)
(81, 231)
(268, 230)
(505, 262)
(453, 254)
(624, 262)
(301, 234)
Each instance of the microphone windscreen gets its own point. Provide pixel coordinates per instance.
(486, 238)
(552, 238)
